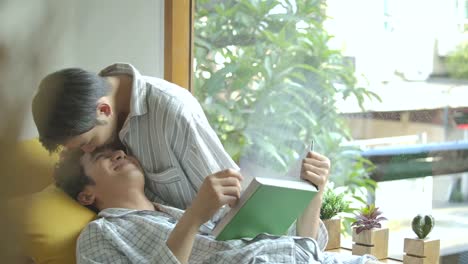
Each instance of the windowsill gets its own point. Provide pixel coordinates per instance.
(451, 227)
(348, 251)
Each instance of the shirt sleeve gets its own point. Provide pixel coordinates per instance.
(205, 154)
(94, 247)
(322, 235)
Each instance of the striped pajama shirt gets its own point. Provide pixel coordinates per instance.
(167, 131)
(139, 236)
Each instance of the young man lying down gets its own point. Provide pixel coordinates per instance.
(132, 229)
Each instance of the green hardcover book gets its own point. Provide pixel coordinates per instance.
(268, 205)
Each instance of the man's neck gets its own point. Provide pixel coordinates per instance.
(132, 199)
(121, 96)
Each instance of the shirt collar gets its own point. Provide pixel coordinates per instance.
(120, 212)
(116, 212)
(138, 104)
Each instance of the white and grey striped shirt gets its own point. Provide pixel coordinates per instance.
(168, 132)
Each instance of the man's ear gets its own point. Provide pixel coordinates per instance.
(87, 196)
(103, 107)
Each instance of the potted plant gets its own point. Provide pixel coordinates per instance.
(422, 249)
(368, 235)
(332, 204)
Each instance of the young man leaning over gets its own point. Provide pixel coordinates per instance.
(132, 229)
(158, 122)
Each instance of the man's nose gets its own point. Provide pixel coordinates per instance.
(88, 148)
(118, 154)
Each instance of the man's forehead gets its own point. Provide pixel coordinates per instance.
(100, 150)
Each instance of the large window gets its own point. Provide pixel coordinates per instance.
(462, 14)
(363, 79)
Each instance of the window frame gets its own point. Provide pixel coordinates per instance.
(178, 42)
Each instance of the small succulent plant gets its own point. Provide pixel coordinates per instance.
(368, 218)
(422, 225)
(332, 204)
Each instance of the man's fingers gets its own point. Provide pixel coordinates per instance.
(231, 191)
(229, 173)
(316, 162)
(233, 173)
(316, 155)
(230, 181)
(313, 178)
(315, 169)
(230, 200)
(230, 196)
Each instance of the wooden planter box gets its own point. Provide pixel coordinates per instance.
(421, 251)
(334, 233)
(373, 242)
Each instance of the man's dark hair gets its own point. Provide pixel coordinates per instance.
(70, 175)
(65, 105)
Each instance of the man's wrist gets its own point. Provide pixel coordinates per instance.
(193, 217)
(320, 193)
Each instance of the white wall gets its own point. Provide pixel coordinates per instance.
(120, 30)
(93, 34)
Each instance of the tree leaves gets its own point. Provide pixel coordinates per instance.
(274, 82)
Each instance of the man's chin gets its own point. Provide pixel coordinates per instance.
(134, 175)
(128, 166)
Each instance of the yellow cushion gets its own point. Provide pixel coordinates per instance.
(32, 166)
(52, 224)
(51, 220)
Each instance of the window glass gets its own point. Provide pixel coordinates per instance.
(379, 86)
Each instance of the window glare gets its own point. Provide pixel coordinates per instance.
(380, 86)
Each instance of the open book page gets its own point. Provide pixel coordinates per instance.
(254, 166)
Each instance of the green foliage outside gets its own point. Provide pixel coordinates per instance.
(269, 84)
(457, 62)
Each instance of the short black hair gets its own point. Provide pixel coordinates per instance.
(70, 176)
(65, 105)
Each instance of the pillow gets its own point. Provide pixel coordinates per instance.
(52, 223)
(32, 166)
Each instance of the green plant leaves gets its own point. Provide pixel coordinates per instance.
(332, 204)
(367, 218)
(422, 225)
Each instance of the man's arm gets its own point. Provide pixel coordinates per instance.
(217, 190)
(308, 222)
(315, 169)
